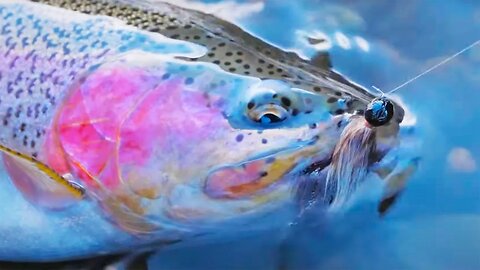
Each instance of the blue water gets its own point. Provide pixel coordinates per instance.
(436, 222)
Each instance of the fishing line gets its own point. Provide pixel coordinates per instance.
(378, 90)
(444, 61)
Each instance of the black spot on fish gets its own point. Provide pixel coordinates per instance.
(317, 89)
(166, 76)
(239, 138)
(188, 81)
(246, 66)
(295, 112)
(221, 44)
(338, 94)
(227, 63)
(238, 61)
(286, 101)
(259, 70)
(232, 69)
(264, 141)
(228, 53)
(339, 111)
(263, 174)
(331, 100)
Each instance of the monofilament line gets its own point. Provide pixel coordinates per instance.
(378, 90)
(436, 66)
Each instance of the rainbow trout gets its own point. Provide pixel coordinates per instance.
(130, 124)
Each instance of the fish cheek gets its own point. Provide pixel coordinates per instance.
(249, 178)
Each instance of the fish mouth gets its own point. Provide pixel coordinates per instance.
(262, 175)
(316, 167)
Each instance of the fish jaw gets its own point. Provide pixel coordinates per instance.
(152, 132)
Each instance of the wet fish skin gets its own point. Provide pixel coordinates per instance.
(50, 57)
(39, 61)
(229, 47)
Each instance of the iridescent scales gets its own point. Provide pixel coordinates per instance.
(43, 52)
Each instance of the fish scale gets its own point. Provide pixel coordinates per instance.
(39, 58)
(229, 47)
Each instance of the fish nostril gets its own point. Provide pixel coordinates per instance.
(250, 105)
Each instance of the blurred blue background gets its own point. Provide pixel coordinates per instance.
(436, 222)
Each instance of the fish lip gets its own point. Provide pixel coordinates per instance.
(316, 166)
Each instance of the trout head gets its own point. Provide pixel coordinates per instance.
(173, 142)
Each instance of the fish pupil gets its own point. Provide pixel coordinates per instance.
(270, 118)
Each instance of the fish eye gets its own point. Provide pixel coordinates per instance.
(271, 102)
(379, 112)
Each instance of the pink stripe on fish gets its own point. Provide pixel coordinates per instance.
(119, 120)
(88, 125)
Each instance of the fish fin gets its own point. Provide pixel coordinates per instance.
(127, 216)
(39, 183)
(134, 261)
(321, 60)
